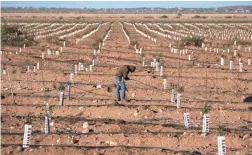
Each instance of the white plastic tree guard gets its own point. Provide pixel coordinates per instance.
(34, 68)
(249, 62)
(48, 109)
(187, 120)
(178, 100)
(165, 83)
(93, 62)
(91, 67)
(189, 57)
(222, 61)
(95, 52)
(143, 62)
(231, 65)
(82, 67)
(161, 71)
(64, 43)
(61, 49)
(241, 67)
(234, 52)
(43, 55)
(221, 145)
(61, 98)
(173, 95)
(69, 91)
(239, 47)
(137, 51)
(152, 64)
(27, 135)
(240, 60)
(75, 69)
(79, 66)
(205, 129)
(57, 53)
(20, 50)
(4, 72)
(71, 77)
(157, 66)
(24, 45)
(140, 51)
(28, 68)
(47, 125)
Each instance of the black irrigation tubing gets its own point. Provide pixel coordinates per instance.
(107, 133)
(108, 105)
(146, 100)
(148, 122)
(114, 104)
(139, 99)
(92, 133)
(103, 147)
(67, 132)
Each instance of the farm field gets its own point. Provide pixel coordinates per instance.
(187, 71)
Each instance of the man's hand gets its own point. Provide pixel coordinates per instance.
(127, 78)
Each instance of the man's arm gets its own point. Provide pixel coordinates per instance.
(125, 75)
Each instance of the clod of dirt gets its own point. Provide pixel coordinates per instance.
(245, 137)
(74, 140)
(2, 97)
(19, 149)
(85, 125)
(133, 95)
(52, 123)
(154, 111)
(111, 143)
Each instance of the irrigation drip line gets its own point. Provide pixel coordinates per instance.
(153, 121)
(116, 105)
(139, 99)
(68, 132)
(107, 105)
(91, 133)
(104, 147)
(106, 86)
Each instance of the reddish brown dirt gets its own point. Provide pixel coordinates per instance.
(149, 120)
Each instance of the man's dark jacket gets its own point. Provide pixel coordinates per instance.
(124, 71)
